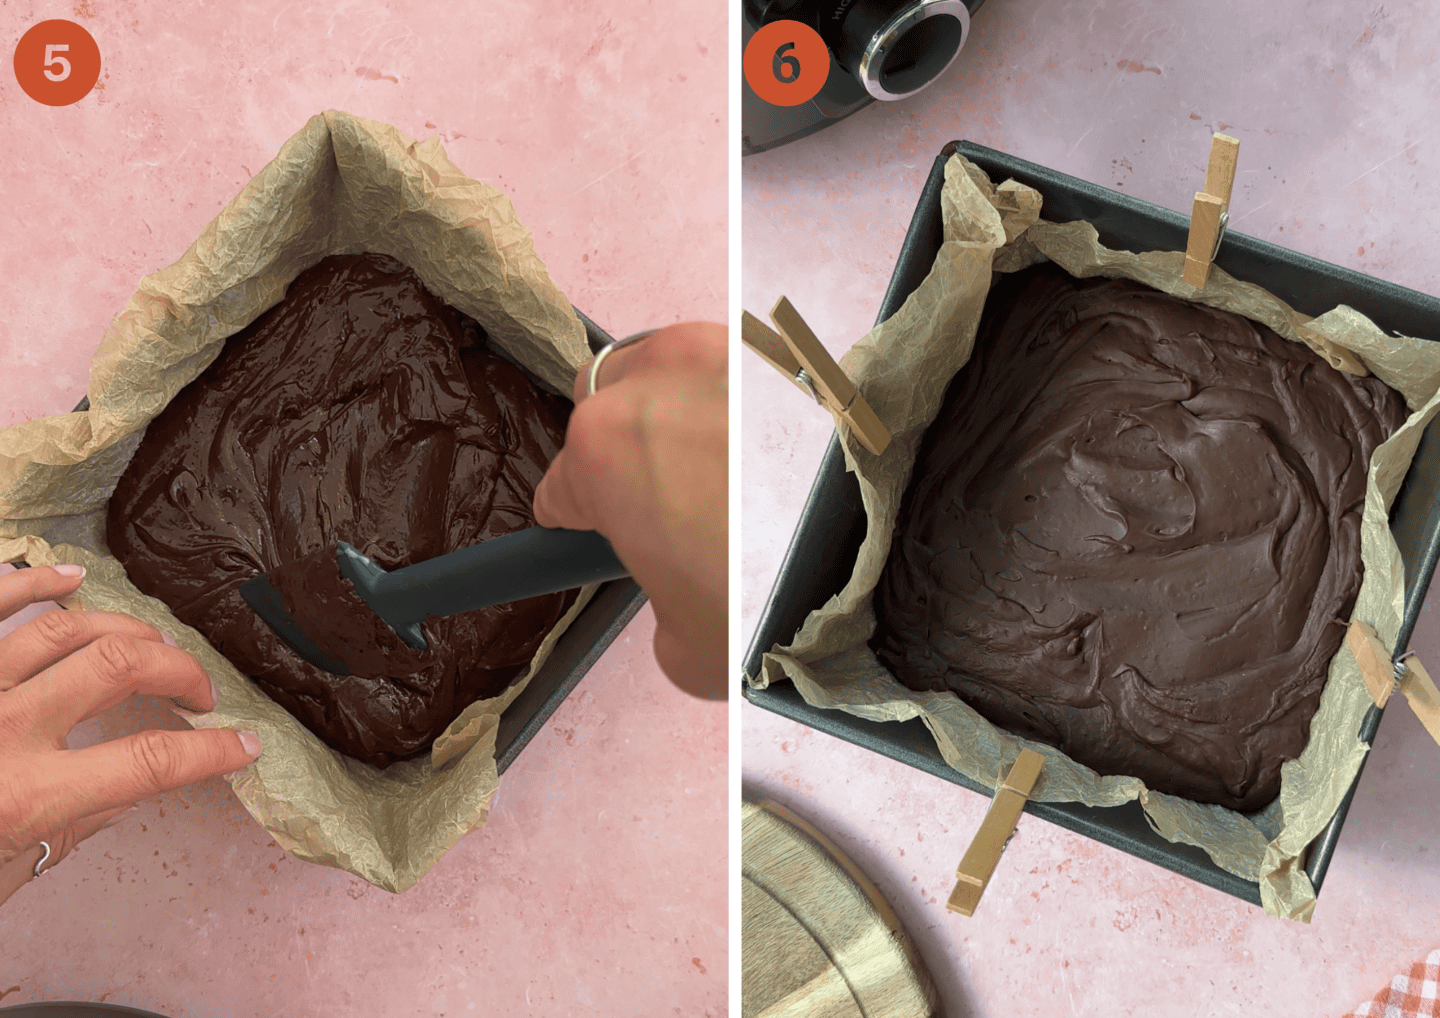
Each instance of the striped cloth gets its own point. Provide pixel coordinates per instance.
(1412, 996)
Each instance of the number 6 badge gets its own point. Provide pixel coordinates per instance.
(786, 63)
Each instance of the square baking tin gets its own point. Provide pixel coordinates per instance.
(832, 526)
(579, 647)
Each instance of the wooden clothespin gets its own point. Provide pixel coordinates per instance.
(794, 351)
(999, 823)
(1406, 675)
(1212, 210)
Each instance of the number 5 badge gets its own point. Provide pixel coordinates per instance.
(57, 63)
(786, 63)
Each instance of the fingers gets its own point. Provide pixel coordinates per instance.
(580, 390)
(21, 870)
(603, 443)
(558, 501)
(116, 774)
(601, 453)
(56, 634)
(617, 365)
(24, 587)
(689, 348)
(100, 784)
(100, 675)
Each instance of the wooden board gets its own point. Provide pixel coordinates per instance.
(817, 939)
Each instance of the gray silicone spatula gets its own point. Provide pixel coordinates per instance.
(522, 564)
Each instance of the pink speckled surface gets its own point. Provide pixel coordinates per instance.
(598, 886)
(1329, 100)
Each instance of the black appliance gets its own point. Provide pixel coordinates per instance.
(879, 49)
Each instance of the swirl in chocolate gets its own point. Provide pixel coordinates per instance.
(1133, 532)
(363, 409)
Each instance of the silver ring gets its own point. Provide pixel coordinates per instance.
(40, 863)
(606, 351)
(891, 32)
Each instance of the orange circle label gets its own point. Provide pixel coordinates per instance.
(786, 63)
(57, 63)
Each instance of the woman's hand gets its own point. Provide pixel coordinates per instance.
(645, 463)
(67, 666)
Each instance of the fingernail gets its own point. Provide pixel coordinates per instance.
(251, 742)
(169, 640)
(69, 569)
(214, 695)
(123, 815)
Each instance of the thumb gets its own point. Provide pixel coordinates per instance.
(558, 501)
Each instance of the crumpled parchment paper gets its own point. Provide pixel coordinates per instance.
(342, 185)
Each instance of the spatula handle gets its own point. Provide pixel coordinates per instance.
(523, 564)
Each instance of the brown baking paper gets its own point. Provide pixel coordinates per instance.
(341, 186)
(903, 367)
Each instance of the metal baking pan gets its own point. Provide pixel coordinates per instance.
(578, 648)
(822, 553)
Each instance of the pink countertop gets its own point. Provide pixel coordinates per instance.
(598, 886)
(1329, 100)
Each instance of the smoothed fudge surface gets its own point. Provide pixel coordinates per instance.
(361, 408)
(1133, 532)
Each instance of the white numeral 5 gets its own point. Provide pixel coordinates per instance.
(51, 59)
